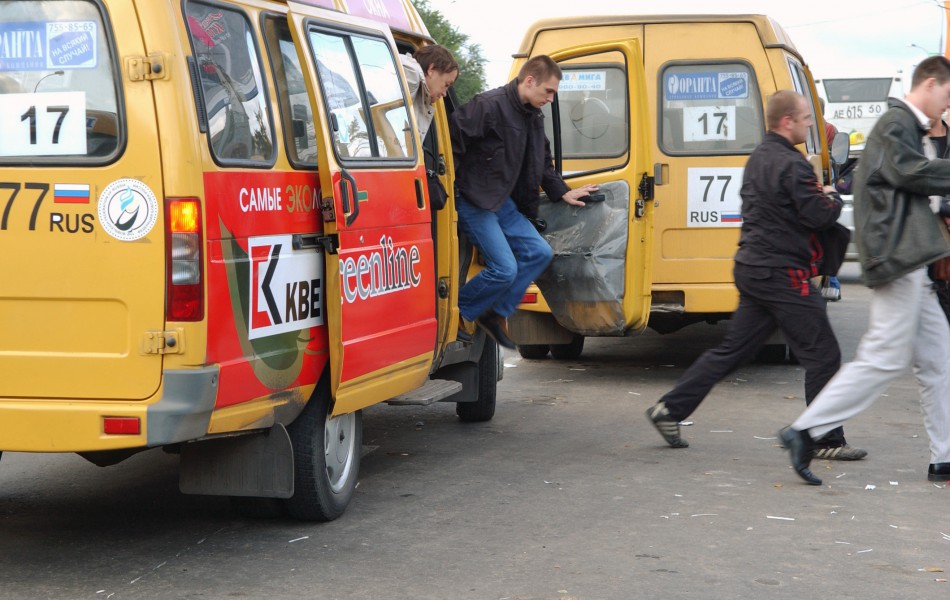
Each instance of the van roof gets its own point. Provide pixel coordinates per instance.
(770, 32)
(400, 15)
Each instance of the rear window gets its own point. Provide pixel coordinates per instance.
(709, 108)
(58, 90)
(232, 87)
(858, 90)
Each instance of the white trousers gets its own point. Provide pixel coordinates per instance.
(907, 327)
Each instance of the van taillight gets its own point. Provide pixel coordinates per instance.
(184, 299)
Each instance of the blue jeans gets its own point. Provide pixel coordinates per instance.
(514, 253)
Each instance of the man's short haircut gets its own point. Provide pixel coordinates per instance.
(436, 56)
(541, 67)
(937, 67)
(781, 104)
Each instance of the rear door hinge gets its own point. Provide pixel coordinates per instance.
(163, 342)
(147, 68)
(646, 193)
(646, 187)
(327, 242)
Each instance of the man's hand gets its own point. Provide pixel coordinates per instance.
(571, 197)
(828, 189)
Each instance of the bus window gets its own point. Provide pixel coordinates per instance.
(709, 108)
(62, 107)
(343, 61)
(231, 84)
(296, 116)
(593, 110)
(858, 90)
(800, 81)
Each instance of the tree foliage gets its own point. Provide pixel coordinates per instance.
(471, 78)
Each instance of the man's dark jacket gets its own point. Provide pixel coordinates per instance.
(782, 207)
(500, 151)
(895, 227)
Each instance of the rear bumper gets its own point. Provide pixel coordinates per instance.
(180, 411)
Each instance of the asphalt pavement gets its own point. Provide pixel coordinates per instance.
(568, 493)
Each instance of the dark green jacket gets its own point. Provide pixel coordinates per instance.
(896, 230)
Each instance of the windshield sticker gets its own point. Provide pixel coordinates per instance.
(39, 46)
(43, 124)
(583, 81)
(128, 209)
(709, 123)
(708, 85)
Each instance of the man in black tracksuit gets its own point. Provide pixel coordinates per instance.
(782, 208)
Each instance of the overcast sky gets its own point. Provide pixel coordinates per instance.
(836, 37)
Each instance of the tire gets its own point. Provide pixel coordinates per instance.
(533, 351)
(257, 508)
(483, 409)
(568, 351)
(326, 459)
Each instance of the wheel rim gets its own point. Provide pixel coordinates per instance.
(340, 433)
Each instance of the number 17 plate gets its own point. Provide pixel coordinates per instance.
(43, 124)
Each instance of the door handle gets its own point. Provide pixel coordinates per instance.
(420, 196)
(348, 183)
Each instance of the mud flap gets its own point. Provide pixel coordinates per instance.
(257, 464)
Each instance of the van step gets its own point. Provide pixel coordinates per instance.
(433, 391)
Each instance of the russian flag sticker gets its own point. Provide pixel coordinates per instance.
(71, 193)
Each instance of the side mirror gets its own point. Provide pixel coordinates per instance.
(840, 147)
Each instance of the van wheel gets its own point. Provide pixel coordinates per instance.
(568, 351)
(326, 459)
(257, 508)
(483, 409)
(533, 351)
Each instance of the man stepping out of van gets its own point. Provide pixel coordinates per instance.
(502, 157)
(782, 205)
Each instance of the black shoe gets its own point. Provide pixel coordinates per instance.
(939, 472)
(799, 445)
(496, 327)
(845, 452)
(668, 427)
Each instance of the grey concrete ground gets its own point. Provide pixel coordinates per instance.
(567, 494)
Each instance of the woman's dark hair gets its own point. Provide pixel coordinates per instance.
(435, 56)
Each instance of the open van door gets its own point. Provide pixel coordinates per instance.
(380, 287)
(600, 280)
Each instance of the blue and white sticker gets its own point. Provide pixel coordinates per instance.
(45, 45)
(128, 209)
(707, 85)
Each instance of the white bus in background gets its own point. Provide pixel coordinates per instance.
(854, 104)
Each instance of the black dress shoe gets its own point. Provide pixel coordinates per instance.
(939, 472)
(496, 327)
(800, 447)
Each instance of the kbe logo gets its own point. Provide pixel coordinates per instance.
(286, 287)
